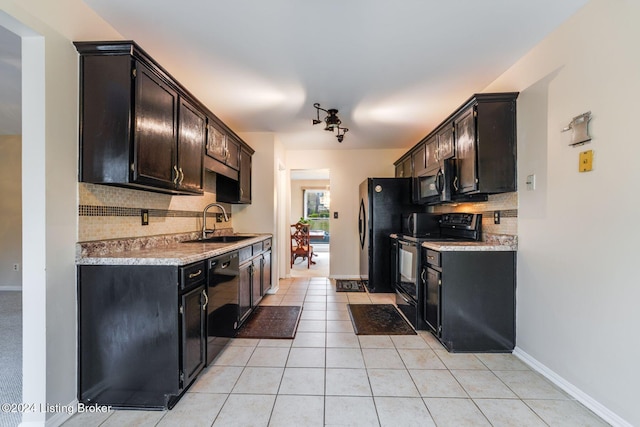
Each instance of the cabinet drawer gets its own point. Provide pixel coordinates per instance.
(192, 274)
(432, 257)
(257, 248)
(245, 254)
(266, 245)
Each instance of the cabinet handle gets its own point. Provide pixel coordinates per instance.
(455, 183)
(422, 276)
(225, 264)
(206, 300)
(241, 192)
(430, 257)
(181, 177)
(175, 180)
(196, 274)
(439, 182)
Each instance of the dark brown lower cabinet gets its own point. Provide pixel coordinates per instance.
(141, 333)
(470, 300)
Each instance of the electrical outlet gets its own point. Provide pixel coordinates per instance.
(16, 267)
(335, 215)
(144, 216)
(496, 217)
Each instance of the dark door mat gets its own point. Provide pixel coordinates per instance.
(271, 322)
(378, 319)
(349, 286)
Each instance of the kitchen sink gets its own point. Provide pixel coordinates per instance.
(220, 239)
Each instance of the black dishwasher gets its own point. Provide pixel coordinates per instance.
(223, 309)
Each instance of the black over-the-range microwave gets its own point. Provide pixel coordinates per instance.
(434, 185)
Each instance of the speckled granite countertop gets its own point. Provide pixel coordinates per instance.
(467, 246)
(492, 242)
(174, 253)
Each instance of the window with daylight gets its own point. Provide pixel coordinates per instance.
(316, 211)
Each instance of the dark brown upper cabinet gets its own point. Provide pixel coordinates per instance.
(191, 137)
(485, 145)
(138, 127)
(446, 143)
(237, 191)
(419, 159)
(431, 149)
(404, 168)
(222, 145)
(481, 138)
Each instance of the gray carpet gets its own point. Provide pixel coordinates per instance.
(10, 354)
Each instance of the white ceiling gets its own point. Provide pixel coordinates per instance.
(393, 69)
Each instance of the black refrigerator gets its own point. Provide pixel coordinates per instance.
(382, 202)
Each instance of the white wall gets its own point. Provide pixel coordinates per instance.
(297, 195)
(348, 168)
(50, 140)
(261, 215)
(578, 290)
(10, 211)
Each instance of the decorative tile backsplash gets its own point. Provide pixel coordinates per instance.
(106, 212)
(506, 203)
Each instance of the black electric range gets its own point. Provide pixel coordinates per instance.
(456, 226)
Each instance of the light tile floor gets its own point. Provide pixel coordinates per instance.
(328, 375)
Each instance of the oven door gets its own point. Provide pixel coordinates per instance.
(434, 185)
(408, 268)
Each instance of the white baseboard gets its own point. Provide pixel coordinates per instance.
(582, 397)
(10, 288)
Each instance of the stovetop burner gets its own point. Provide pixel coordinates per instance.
(454, 226)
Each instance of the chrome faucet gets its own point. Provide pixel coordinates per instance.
(204, 218)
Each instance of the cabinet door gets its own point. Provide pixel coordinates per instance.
(244, 291)
(191, 140)
(245, 176)
(194, 338)
(446, 147)
(256, 281)
(216, 142)
(233, 153)
(466, 179)
(431, 152)
(419, 160)
(432, 301)
(404, 169)
(266, 272)
(155, 130)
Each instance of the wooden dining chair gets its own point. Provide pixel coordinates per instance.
(300, 245)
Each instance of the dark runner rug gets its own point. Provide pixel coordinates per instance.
(271, 322)
(378, 319)
(349, 286)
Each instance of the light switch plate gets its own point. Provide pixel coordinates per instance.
(531, 182)
(586, 161)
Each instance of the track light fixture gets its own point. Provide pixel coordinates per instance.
(332, 121)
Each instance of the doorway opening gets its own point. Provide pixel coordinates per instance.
(311, 203)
